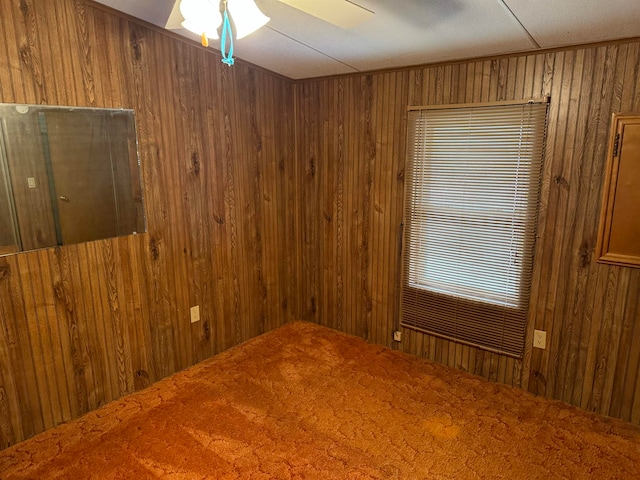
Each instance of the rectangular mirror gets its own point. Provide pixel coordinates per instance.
(67, 175)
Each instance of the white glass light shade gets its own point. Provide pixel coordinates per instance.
(246, 16)
(201, 16)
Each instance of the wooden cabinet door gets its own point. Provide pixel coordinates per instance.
(619, 233)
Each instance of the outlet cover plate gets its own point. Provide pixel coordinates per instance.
(540, 339)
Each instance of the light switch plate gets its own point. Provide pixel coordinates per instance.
(195, 313)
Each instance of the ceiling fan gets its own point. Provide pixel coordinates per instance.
(205, 17)
(342, 13)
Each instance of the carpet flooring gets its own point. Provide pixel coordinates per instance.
(307, 402)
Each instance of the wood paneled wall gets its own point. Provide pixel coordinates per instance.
(350, 142)
(84, 324)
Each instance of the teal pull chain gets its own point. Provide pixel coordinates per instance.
(227, 57)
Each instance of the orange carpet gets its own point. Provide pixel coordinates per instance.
(306, 402)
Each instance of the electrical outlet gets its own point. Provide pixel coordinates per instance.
(397, 336)
(195, 314)
(540, 339)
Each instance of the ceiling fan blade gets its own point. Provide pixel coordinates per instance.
(175, 17)
(341, 13)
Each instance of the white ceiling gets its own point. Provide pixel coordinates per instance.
(413, 32)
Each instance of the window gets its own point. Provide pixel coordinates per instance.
(471, 202)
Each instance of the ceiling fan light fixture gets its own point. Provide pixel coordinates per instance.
(246, 16)
(201, 17)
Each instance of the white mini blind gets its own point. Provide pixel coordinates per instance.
(471, 203)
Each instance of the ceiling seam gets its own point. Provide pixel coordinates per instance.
(314, 49)
(533, 40)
